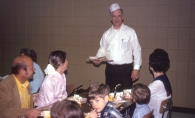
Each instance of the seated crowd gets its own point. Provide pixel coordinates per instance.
(27, 78)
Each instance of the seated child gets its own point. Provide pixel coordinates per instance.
(141, 95)
(98, 95)
(66, 109)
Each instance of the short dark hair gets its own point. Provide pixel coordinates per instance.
(66, 109)
(18, 66)
(29, 52)
(57, 58)
(97, 89)
(159, 60)
(141, 93)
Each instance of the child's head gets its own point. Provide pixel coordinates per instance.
(66, 109)
(140, 93)
(97, 94)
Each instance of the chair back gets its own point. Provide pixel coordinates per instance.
(166, 105)
(149, 115)
(69, 88)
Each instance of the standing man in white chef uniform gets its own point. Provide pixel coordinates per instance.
(120, 43)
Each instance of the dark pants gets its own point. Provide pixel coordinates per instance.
(119, 74)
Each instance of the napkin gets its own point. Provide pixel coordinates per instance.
(49, 70)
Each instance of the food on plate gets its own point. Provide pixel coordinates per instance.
(80, 100)
(93, 58)
(127, 93)
(117, 98)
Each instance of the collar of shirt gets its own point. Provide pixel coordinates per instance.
(104, 111)
(122, 26)
(23, 92)
(140, 105)
(25, 85)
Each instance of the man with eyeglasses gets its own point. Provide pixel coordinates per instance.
(120, 43)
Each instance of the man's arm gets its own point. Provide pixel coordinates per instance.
(101, 51)
(9, 108)
(135, 74)
(136, 56)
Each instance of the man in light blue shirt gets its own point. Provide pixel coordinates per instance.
(38, 76)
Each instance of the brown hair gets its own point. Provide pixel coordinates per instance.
(97, 89)
(57, 58)
(66, 109)
(141, 93)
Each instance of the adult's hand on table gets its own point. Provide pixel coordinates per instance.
(33, 113)
(135, 75)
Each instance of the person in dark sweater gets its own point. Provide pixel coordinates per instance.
(160, 87)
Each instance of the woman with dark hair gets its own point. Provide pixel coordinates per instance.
(38, 76)
(53, 87)
(66, 109)
(160, 88)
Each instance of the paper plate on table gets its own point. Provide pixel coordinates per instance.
(118, 101)
(81, 100)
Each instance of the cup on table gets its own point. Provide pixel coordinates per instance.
(86, 115)
(46, 114)
(111, 96)
(127, 93)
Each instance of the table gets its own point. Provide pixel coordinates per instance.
(123, 108)
(126, 105)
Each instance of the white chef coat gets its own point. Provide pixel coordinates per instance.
(121, 45)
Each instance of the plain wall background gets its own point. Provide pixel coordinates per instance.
(76, 27)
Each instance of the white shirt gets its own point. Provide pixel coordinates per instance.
(158, 94)
(121, 45)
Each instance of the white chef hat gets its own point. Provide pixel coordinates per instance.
(114, 7)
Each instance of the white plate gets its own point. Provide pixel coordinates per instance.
(118, 101)
(82, 100)
(93, 58)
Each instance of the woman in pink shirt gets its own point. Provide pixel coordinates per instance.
(53, 87)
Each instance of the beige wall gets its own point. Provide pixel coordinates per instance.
(76, 27)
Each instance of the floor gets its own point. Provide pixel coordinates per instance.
(182, 115)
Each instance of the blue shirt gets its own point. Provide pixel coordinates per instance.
(37, 78)
(141, 110)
